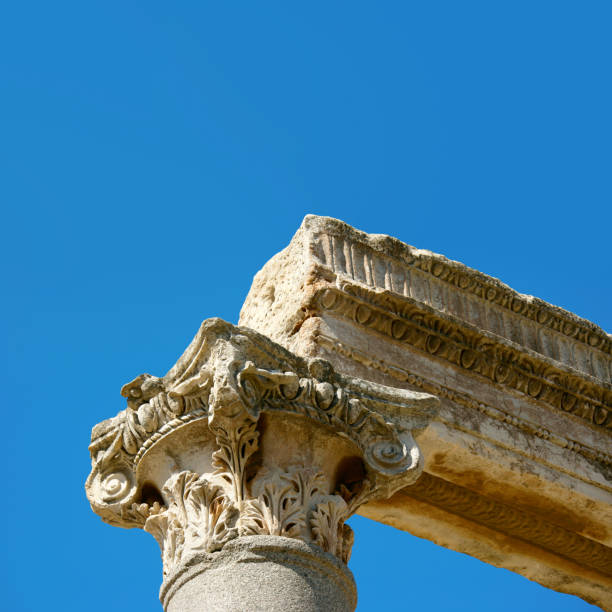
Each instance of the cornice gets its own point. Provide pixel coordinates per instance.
(520, 371)
(381, 249)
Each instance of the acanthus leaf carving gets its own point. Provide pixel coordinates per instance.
(199, 517)
(237, 442)
(278, 506)
(328, 528)
(294, 503)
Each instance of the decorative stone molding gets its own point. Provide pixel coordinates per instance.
(441, 391)
(385, 263)
(474, 350)
(242, 438)
(512, 521)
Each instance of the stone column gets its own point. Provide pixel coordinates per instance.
(244, 462)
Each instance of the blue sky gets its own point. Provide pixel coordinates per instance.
(154, 155)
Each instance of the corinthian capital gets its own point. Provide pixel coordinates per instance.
(242, 439)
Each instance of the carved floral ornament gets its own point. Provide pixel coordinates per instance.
(242, 437)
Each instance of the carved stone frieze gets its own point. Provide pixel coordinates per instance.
(385, 263)
(441, 391)
(404, 322)
(243, 438)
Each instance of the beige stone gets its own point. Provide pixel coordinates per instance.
(244, 461)
(519, 459)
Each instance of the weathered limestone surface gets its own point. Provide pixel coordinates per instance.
(244, 461)
(519, 459)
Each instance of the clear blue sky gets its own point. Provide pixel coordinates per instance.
(154, 155)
